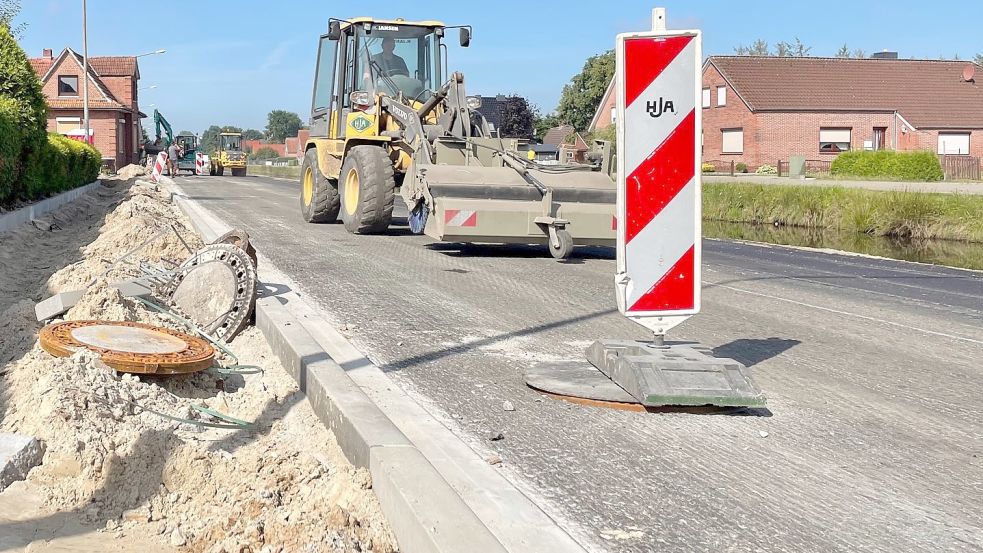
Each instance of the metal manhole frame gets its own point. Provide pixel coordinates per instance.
(243, 269)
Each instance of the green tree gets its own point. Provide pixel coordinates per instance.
(978, 59)
(8, 11)
(281, 124)
(517, 118)
(252, 134)
(757, 48)
(264, 153)
(859, 53)
(844, 52)
(581, 96)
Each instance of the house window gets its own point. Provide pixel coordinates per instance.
(733, 141)
(834, 141)
(706, 97)
(614, 115)
(954, 143)
(64, 125)
(68, 85)
(721, 96)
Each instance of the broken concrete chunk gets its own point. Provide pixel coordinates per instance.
(58, 304)
(18, 455)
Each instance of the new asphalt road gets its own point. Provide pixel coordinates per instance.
(873, 439)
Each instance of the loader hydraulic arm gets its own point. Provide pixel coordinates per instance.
(414, 135)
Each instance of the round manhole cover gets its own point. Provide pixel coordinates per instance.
(130, 347)
(128, 339)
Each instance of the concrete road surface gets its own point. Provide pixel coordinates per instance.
(873, 440)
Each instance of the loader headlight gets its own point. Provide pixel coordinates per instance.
(474, 102)
(361, 99)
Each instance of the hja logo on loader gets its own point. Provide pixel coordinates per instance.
(360, 123)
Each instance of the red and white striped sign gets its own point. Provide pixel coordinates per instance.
(659, 252)
(159, 165)
(461, 218)
(200, 164)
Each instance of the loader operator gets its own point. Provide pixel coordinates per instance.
(390, 63)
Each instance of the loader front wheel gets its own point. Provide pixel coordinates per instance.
(368, 190)
(565, 247)
(319, 200)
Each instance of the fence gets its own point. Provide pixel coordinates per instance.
(813, 168)
(960, 167)
(723, 167)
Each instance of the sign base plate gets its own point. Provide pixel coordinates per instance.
(675, 374)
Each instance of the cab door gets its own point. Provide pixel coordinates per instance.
(329, 105)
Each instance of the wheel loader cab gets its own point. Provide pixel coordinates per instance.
(361, 59)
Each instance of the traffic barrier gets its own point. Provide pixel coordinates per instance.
(659, 249)
(159, 166)
(200, 164)
(657, 281)
(206, 163)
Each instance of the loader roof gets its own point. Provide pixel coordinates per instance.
(397, 21)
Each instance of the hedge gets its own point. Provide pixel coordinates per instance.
(19, 83)
(906, 166)
(10, 148)
(33, 163)
(60, 164)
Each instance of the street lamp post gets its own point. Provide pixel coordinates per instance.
(85, 77)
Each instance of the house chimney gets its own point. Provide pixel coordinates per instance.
(46, 53)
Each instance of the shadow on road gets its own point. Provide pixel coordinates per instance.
(469, 346)
(518, 251)
(750, 351)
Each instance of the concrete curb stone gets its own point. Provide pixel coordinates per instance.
(18, 455)
(9, 221)
(424, 511)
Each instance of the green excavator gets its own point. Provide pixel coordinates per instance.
(187, 141)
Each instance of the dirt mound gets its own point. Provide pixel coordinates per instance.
(131, 171)
(117, 457)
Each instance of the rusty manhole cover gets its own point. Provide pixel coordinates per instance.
(130, 347)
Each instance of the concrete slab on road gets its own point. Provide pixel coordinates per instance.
(872, 370)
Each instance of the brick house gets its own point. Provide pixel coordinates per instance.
(294, 145)
(254, 146)
(114, 114)
(758, 110)
(571, 147)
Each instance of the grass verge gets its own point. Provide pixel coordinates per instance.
(905, 215)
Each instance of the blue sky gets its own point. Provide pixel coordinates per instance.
(233, 62)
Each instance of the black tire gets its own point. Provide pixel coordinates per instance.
(320, 202)
(369, 207)
(566, 245)
(221, 170)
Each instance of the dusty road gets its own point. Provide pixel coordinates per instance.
(873, 369)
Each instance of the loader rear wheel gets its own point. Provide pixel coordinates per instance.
(566, 245)
(368, 190)
(319, 200)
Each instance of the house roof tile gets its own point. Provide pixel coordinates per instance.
(927, 93)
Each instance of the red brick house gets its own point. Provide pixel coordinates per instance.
(758, 110)
(113, 111)
(256, 145)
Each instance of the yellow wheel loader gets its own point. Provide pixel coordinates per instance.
(387, 120)
(229, 155)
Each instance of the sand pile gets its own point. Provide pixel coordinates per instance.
(281, 485)
(132, 171)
